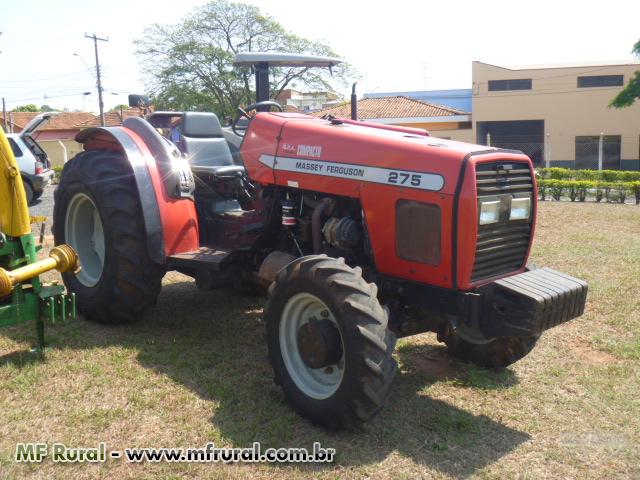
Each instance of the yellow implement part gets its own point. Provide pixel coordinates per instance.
(14, 212)
(38, 219)
(62, 258)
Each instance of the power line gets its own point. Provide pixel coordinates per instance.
(15, 100)
(70, 74)
(527, 93)
(573, 74)
(514, 93)
(477, 84)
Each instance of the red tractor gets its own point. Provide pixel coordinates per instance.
(361, 232)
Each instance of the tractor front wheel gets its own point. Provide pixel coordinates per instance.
(98, 213)
(328, 341)
(470, 345)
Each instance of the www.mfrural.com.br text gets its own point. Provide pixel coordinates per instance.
(61, 453)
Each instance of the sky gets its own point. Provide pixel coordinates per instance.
(395, 46)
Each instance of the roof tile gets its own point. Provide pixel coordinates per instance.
(113, 118)
(61, 121)
(390, 107)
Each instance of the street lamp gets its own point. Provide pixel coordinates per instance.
(92, 72)
(84, 97)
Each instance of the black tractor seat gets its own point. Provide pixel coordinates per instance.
(202, 141)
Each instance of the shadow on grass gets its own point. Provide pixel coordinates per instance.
(21, 358)
(435, 363)
(213, 343)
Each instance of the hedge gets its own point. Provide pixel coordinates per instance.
(555, 173)
(579, 189)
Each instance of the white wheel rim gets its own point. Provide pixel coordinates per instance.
(84, 232)
(318, 383)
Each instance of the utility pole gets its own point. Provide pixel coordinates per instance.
(4, 114)
(98, 78)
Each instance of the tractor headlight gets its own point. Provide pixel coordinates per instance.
(520, 208)
(489, 212)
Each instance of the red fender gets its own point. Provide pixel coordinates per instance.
(171, 223)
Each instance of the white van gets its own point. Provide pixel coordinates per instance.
(34, 164)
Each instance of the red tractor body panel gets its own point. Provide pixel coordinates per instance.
(381, 166)
(178, 215)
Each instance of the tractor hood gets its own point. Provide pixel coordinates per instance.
(361, 151)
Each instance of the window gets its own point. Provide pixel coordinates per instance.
(418, 230)
(513, 84)
(601, 81)
(587, 148)
(14, 146)
(524, 135)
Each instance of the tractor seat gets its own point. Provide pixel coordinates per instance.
(219, 171)
(206, 148)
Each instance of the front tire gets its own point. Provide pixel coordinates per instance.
(470, 345)
(98, 213)
(354, 384)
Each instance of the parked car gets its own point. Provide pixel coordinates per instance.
(33, 161)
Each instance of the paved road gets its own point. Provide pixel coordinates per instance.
(44, 206)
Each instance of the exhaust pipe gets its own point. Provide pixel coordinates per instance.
(354, 102)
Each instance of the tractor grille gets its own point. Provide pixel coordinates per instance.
(502, 247)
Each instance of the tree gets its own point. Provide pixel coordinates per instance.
(629, 93)
(26, 108)
(117, 108)
(189, 65)
(47, 108)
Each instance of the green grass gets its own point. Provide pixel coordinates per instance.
(195, 370)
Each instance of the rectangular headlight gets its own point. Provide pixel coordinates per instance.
(489, 212)
(520, 208)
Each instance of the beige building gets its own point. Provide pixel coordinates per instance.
(307, 101)
(558, 115)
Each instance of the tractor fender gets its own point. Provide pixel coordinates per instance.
(170, 221)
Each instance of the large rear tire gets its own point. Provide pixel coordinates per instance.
(98, 213)
(354, 384)
(470, 345)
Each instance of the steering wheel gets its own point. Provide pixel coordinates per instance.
(267, 105)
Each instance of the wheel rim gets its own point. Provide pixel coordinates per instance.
(472, 335)
(84, 232)
(318, 383)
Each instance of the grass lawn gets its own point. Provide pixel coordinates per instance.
(195, 370)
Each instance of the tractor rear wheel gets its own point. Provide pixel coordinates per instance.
(470, 345)
(98, 213)
(328, 341)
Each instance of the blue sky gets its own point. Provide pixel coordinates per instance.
(397, 45)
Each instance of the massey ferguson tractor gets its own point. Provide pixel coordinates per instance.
(360, 232)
